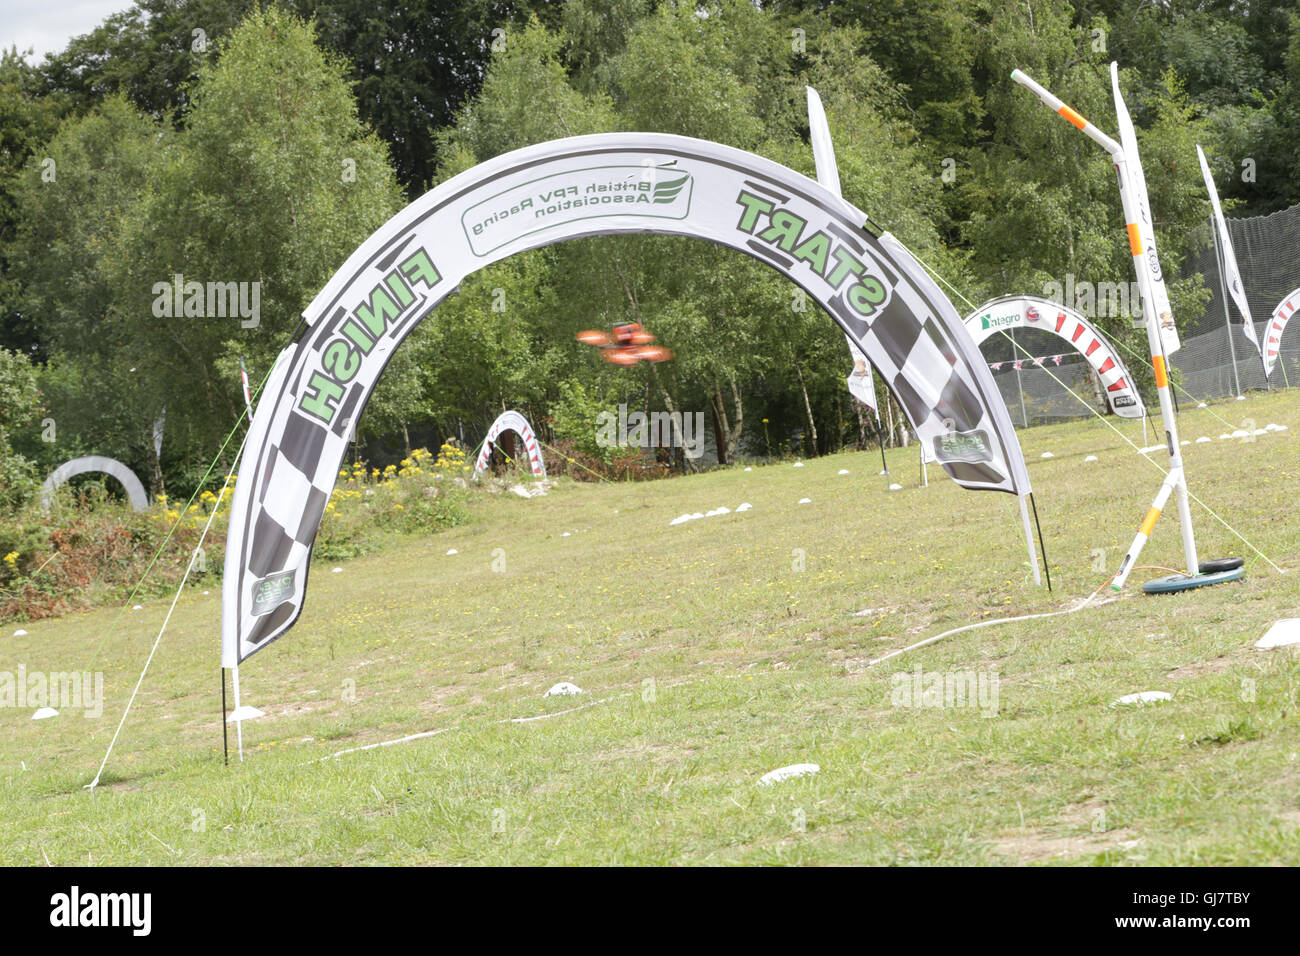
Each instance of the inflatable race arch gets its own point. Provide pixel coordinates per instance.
(1031, 312)
(515, 422)
(605, 184)
(135, 493)
(1277, 323)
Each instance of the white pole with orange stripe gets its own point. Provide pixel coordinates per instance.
(1057, 105)
(1156, 316)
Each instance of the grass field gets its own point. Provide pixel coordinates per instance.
(712, 652)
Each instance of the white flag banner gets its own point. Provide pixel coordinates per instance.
(243, 383)
(828, 169)
(159, 426)
(861, 382)
(613, 183)
(1143, 245)
(1231, 274)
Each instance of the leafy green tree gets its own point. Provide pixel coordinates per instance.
(931, 50)
(595, 32)
(1286, 108)
(272, 185)
(1040, 199)
(415, 62)
(149, 53)
(27, 121)
(675, 77)
(526, 98)
(20, 405)
(1176, 189)
(72, 213)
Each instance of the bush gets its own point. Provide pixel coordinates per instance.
(575, 419)
(90, 549)
(418, 496)
(20, 406)
(93, 550)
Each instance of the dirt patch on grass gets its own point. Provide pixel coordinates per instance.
(1216, 665)
(1289, 818)
(297, 708)
(447, 699)
(1071, 836)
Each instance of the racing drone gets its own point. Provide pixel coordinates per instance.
(627, 343)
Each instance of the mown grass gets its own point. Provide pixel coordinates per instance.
(708, 659)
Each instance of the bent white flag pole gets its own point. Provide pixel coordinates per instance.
(1139, 222)
(1162, 335)
(1231, 274)
(861, 381)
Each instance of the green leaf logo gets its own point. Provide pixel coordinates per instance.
(666, 192)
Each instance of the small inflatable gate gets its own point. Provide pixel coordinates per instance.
(1277, 323)
(515, 422)
(1031, 312)
(96, 463)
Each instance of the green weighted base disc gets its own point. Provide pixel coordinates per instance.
(1186, 582)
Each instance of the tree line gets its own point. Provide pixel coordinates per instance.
(177, 184)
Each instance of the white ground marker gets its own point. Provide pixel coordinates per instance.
(1281, 634)
(787, 773)
(1144, 697)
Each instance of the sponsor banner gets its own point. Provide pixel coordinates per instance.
(962, 446)
(549, 202)
(272, 591)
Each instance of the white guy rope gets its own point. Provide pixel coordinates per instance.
(1000, 620)
(158, 640)
(1163, 471)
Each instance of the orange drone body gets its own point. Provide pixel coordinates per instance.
(626, 344)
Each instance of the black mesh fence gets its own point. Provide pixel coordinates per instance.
(1217, 360)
